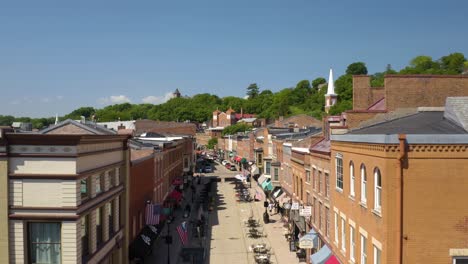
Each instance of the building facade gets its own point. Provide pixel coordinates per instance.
(64, 206)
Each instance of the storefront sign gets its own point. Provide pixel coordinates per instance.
(295, 206)
(306, 211)
(307, 241)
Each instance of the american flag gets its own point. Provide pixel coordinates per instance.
(182, 230)
(152, 214)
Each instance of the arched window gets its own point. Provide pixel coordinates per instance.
(377, 190)
(363, 184)
(351, 179)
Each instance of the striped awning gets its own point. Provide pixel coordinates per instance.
(321, 256)
(261, 179)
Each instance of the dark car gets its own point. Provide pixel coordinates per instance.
(233, 168)
(208, 168)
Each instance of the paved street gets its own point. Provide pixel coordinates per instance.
(226, 238)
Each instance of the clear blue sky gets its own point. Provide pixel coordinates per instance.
(56, 56)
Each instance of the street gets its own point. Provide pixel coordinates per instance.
(226, 239)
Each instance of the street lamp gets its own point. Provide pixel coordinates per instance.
(168, 241)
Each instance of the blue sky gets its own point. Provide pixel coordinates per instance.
(56, 56)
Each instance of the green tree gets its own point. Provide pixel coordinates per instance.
(252, 90)
(453, 63)
(82, 111)
(239, 127)
(212, 143)
(318, 81)
(357, 68)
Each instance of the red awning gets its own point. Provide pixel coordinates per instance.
(238, 158)
(332, 260)
(176, 195)
(177, 181)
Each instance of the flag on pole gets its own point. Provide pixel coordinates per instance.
(153, 212)
(183, 234)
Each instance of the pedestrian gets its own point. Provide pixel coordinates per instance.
(270, 207)
(277, 206)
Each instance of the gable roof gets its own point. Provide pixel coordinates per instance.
(90, 127)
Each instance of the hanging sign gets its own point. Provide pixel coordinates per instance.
(306, 211)
(295, 206)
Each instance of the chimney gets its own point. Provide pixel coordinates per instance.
(82, 120)
(242, 113)
(121, 127)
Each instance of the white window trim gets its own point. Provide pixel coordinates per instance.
(352, 191)
(352, 243)
(377, 189)
(343, 234)
(363, 249)
(363, 186)
(338, 156)
(336, 228)
(374, 253)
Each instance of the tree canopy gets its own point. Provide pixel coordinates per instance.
(306, 97)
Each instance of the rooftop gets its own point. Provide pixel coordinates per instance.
(420, 123)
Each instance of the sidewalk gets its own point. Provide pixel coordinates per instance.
(159, 252)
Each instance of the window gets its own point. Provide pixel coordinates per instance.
(85, 236)
(315, 210)
(377, 191)
(44, 242)
(84, 187)
(111, 218)
(268, 168)
(377, 255)
(339, 172)
(351, 181)
(99, 183)
(460, 260)
(327, 184)
(363, 249)
(99, 234)
(307, 176)
(352, 244)
(302, 189)
(320, 216)
(111, 178)
(314, 178)
(327, 221)
(275, 175)
(363, 184)
(259, 159)
(319, 181)
(308, 198)
(343, 234)
(336, 228)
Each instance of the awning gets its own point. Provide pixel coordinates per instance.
(258, 196)
(280, 197)
(241, 177)
(254, 170)
(237, 158)
(332, 260)
(176, 195)
(243, 160)
(284, 199)
(309, 240)
(321, 256)
(177, 181)
(261, 179)
(267, 186)
(141, 246)
(277, 192)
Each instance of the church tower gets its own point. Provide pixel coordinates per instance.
(330, 97)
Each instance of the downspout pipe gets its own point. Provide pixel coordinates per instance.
(402, 156)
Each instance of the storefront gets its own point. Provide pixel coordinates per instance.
(142, 245)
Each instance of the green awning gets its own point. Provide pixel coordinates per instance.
(243, 160)
(267, 186)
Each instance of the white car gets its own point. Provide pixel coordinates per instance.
(224, 162)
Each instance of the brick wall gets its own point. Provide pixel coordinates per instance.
(363, 94)
(422, 90)
(142, 126)
(141, 190)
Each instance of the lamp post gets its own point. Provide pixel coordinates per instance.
(168, 241)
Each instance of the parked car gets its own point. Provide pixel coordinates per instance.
(227, 165)
(232, 168)
(208, 168)
(224, 162)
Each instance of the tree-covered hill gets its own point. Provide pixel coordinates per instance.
(306, 97)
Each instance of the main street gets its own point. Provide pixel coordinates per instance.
(226, 239)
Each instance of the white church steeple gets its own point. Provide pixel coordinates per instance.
(330, 97)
